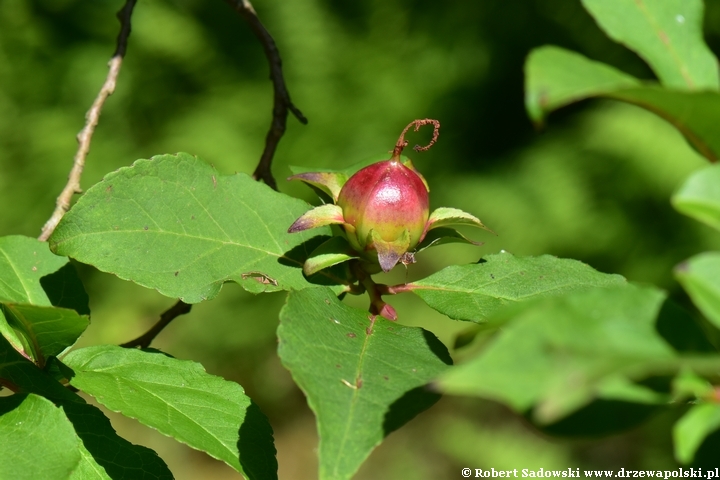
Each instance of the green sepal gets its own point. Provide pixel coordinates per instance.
(389, 253)
(329, 182)
(327, 214)
(332, 252)
(441, 236)
(453, 216)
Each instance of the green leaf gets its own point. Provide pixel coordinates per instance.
(175, 224)
(700, 276)
(38, 441)
(21, 375)
(334, 251)
(23, 262)
(179, 399)
(48, 330)
(106, 450)
(667, 34)
(106, 454)
(699, 196)
(557, 77)
(690, 431)
(560, 353)
(473, 292)
(362, 379)
(27, 268)
(689, 385)
(64, 289)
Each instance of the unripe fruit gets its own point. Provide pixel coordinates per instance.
(386, 197)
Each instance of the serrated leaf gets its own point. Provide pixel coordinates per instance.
(699, 196)
(120, 459)
(38, 441)
(556, 77)
(175, 224)
(473, 292)
(559, 353)
(362, 379)
(690, 431)
(665, 33)
(48, 330)
(110, 452)
(700, 276)
(181, 400)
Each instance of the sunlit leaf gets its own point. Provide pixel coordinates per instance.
(556, 77)
(473, 292)
(560, 353)
(690, 431)
(179, 399)
(33, 280)
(700, 276)
(362, 379)
(665, 33)
(175, 224)
(48, 330)
(23, 262)
(120, 459)
(699, 196)
(38, 441)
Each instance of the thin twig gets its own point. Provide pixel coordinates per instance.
(91, 120)
(144, 340)
(281, 99)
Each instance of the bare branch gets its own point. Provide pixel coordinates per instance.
(281, 99)
(91, 120)
(144, 340)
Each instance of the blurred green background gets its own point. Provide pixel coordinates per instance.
(595, 185)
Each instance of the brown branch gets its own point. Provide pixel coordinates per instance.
(281, 98)
(92, 118)
(144, 340)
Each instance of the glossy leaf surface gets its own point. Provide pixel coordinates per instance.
(473, 292)
(175, 224)
(181, 400)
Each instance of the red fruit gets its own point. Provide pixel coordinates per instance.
(386, 197)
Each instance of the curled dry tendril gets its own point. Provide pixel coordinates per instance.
(402, 143)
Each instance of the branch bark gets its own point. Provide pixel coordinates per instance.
(144, 340)
(92, 118)
(282, 104)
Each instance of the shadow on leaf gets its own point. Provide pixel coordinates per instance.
(256, 445)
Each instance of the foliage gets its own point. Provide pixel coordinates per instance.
(551, 338)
